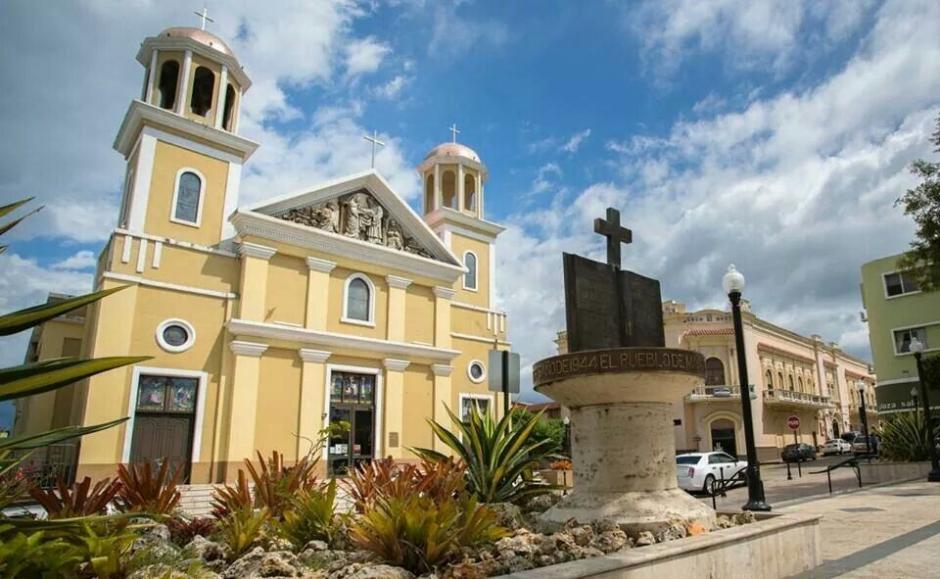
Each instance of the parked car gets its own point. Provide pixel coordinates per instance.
(798, 452)
(862, 446)
(850, 436)
(697, 471)
(836, 446)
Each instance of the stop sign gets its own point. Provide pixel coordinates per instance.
(793, 422)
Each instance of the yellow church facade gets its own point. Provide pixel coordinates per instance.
(268, 323)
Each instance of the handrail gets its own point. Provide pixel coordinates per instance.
(723, 485)
(851, 462)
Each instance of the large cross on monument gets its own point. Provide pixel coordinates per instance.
(615, 234)
(605, 306)
(205, 17)
(374, 139)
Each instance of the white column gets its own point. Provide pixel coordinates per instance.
(442, 400)
(438, 196)
(236, 111)
(220, 98)
(183, 83)
(312, 389)
(460, 187)
(148, 95)
(479, 195)
(394, 407)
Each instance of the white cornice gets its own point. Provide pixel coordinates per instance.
(168, 286)
(448, 216)
(140, 112)
(444, 160)
(317, 264)
(264, 226)
(444, 293)
(243, 348)
(466, 306)
(332, 340)
(396, 365)
(396, 281)
(484, 339)
(176, 242)
(246, 249)
(309, 355)
(441, 369)
(182, 43)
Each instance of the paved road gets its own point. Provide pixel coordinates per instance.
(778, 489)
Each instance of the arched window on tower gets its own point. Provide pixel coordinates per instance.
(429, 194)
(769, 377)
(187, 199)
(227, 116)
(790, 382)
(203, 86)
(470, 276)
(469, 193)
(167, 85)
(714, 372)
(449, 190)
(358, 303)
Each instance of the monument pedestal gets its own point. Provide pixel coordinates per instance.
(622, 440)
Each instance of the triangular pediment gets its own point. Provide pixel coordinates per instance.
(361, 208)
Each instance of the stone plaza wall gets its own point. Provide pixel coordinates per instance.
(885, 472)
(774, 546)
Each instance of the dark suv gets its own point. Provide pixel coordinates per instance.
(798, 453)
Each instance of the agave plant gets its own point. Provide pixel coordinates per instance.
(76, 500)
(38, 377)
(500, 456)
(904, 437)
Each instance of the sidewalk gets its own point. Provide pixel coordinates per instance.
(889, 531)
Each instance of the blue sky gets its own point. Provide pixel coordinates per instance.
(773, 134)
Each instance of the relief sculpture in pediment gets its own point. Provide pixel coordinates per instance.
(359, 216)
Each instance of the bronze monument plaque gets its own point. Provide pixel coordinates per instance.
(617, 360)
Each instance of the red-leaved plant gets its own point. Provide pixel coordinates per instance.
(145, 491)
(76, 500)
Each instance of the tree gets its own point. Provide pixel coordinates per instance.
(922, 204)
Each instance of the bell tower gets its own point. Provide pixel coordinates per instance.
(453, 176)
(180, 139)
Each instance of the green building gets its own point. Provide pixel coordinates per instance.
(898, 312)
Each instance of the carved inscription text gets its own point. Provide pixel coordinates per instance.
(617, 360)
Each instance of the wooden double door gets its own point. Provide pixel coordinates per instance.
(164, 421)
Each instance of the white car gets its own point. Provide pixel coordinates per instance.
(697, 470)
(836, 446)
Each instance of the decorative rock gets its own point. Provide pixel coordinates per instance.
(316, 546)
(645, 538)
(258, 563)
(695, 529)
(610, 541)
(676, 530)
(202, 548)
(541, 503)
(368, 571)
(743, 518)
(155, 538)
(165, 571)
(507, 515)
(582, 535)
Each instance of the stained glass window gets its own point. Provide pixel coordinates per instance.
(167, 394)
(175, 335)
(152, 393)
(352, 388)
(187, 197)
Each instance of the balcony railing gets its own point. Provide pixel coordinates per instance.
(714, 393)
(793, 398)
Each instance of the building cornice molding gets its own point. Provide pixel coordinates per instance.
(245, 348)
(443, 370)
(315, 356)
(174, 242)
(140, 112)
(258, 225)
(456, 220)
(317, 264)
(396, 365)
(182, 44)
(397, 281)
(168, 286)
(332, 340)
(774, 350)
(484, 339)
(247, 249)
(444, 293)
(444, 160)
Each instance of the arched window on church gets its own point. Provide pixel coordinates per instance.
(769, 378)
(187, 199)
(167, 85)
(227, 116)
(203, 86)
(714, 372)
(359, 302)
(470, 193)
(449, 190)
(470, 276)
(429, 194)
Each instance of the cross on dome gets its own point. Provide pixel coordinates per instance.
(205, 17)
(454, 132)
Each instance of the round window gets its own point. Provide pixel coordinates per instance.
(476, 371)
(175, 335)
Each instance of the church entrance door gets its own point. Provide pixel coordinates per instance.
(352, 421)
(163, 421)
(723, 437)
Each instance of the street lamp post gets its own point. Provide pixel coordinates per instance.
(733, 283)
(917, 348)
(914, 398)
(567, 445)
(860, 386)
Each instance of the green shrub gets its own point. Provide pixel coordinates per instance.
(310, 516)
(904, 437)
(35, 555)
(500, 456)
(241, 529)
(420, 533)
(104, 548)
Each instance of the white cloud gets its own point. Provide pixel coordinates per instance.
(455, 34)
(797, 189)
(574, 142)
(83, 259)
(365, 56)
(391, 89)
(545, 178)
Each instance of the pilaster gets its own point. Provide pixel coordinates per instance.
(442, 400)
(318, 292)
(183, 88)
(460, 187)
(394, 406)
(245, 376)
(312, 395)
(220, 97)
(438, 194)
(397, 288)
(442, 301)
(254, 280)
